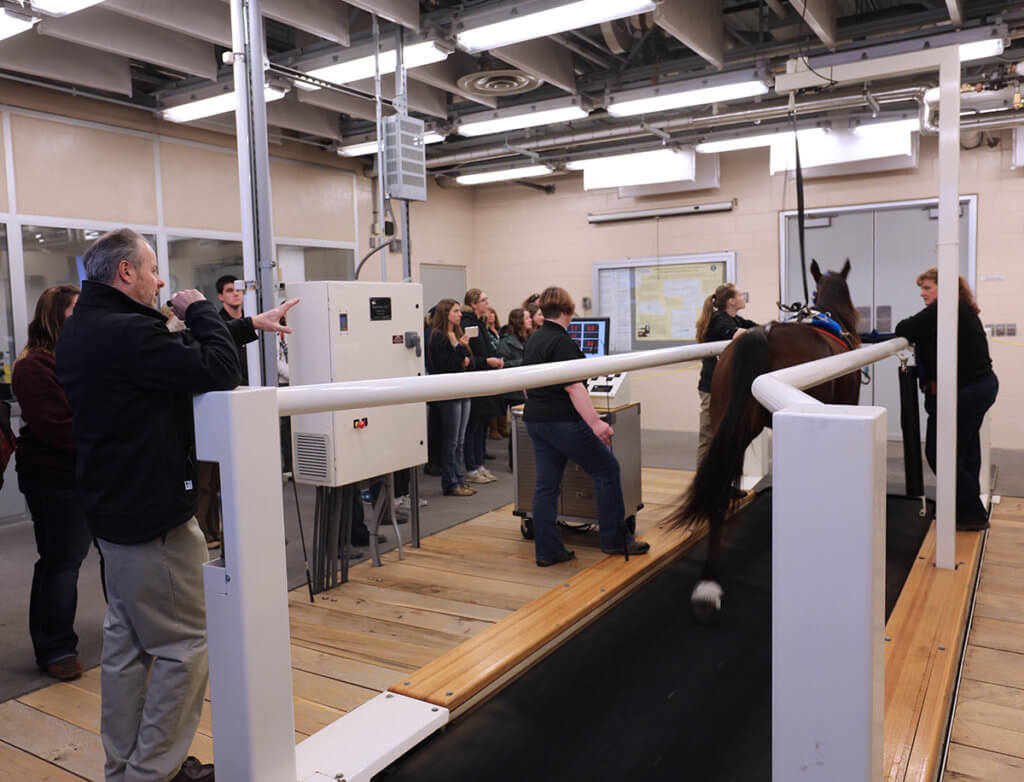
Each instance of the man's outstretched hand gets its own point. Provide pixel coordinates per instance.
(274, 320)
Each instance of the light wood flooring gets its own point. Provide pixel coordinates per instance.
(987, 738)
(364, 637)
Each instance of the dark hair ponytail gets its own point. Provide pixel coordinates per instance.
(716, 301)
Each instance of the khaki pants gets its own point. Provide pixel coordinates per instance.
(705, 433)
(154, 665)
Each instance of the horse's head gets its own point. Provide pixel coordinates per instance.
(833, 295)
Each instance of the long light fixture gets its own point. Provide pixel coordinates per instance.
(12, 25)
(523, 172)
(637, 168)
(979, 50)
(370, 147)
(759, 140)
(544, 113)
(413, 56)
(649, 100)
(880, 130)
(526, 21)
(62, 7)
(668, 211)
(209, 107)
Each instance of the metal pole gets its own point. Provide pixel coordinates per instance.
(254, 172)
(380, 147)
(948, 302)
(401, 105)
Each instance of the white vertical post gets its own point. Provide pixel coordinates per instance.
(247, 590)
(949, 272)
(828, 593)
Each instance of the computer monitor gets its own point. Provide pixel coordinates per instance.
(591, 334)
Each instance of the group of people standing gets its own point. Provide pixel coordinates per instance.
(467, 338)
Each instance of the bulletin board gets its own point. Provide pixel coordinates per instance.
(655, 302)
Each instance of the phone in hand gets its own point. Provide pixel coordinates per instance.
(473, 331)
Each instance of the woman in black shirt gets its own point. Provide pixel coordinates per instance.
(563, 425)
(977, 387)
(449, 352)
(718, 321)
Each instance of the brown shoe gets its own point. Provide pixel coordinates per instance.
(463, 491)
(194, 771)
(65, 669)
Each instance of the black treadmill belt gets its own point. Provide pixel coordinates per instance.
(645, 693)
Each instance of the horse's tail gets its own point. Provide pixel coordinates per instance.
(711, 491)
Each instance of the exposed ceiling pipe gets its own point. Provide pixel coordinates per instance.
(778, 111)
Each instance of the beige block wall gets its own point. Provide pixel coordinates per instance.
(311, 201)
(4, 203)
(70, 171)
(523, 240)
(200, 187)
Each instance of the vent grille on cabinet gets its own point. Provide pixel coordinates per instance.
(405, 165)
(312, 461)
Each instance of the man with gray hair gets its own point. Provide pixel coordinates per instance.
(130, 382)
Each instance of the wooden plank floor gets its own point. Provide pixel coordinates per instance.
(987, 737)
(351, 644)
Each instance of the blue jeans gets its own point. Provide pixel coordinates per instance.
(62, 540)
(454, 418)
(973, 401)
(476, 434)
(555, 443)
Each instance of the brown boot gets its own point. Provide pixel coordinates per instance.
(492, 426)
(503, 427)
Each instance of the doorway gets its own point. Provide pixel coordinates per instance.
(888, 245)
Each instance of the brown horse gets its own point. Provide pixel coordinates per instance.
(738, 418)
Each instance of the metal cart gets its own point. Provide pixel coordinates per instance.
(576, 503)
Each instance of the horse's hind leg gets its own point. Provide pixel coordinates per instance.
(706, 599)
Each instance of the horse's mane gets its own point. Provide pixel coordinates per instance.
(834, 298)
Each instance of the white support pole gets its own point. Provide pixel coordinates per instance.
(948, 303)
(247, 590)
(828, 593)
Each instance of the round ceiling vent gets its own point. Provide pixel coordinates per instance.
(499, 83)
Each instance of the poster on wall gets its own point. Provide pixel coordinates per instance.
(668, 299)
(614, 293)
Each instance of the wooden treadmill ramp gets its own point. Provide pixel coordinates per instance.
(491, 659)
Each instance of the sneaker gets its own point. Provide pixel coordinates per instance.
(563, 556)
(462, 491)
(477, 476)
(632, 547)
(194, 771)
(402, 504)
(66, 669)
(488, 474)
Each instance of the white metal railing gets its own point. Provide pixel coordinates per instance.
(246, 591)
(432, 388)
(828, 573)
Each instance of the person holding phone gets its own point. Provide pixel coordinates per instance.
(563, 425)
(483, 357)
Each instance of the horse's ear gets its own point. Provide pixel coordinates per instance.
(846, 269)
(815, 271)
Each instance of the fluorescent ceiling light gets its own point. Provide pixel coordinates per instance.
(370, 147)
(413, 56)
(761, 140)
(209, 107)
(527, 26)
(651, 100)
(61, 7)
(638, 168)
(880, 129)
(500, 176)
(530, 119)
(12, 25)
(990, 47)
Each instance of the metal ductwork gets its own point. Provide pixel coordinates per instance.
(778, 111)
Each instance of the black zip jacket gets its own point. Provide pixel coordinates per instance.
(722, 326)
(130, 383)
(973, 362)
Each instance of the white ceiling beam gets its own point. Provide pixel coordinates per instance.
(292, 114)
(820, 16)
(403, 12)
(197, 18)
(542, 58)
(324, 18)
(777, 8)
(956, 12)
(111, 32)
(360, 108)
(62, 61)
(445, 76)
(697, 24)
(422, 97)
